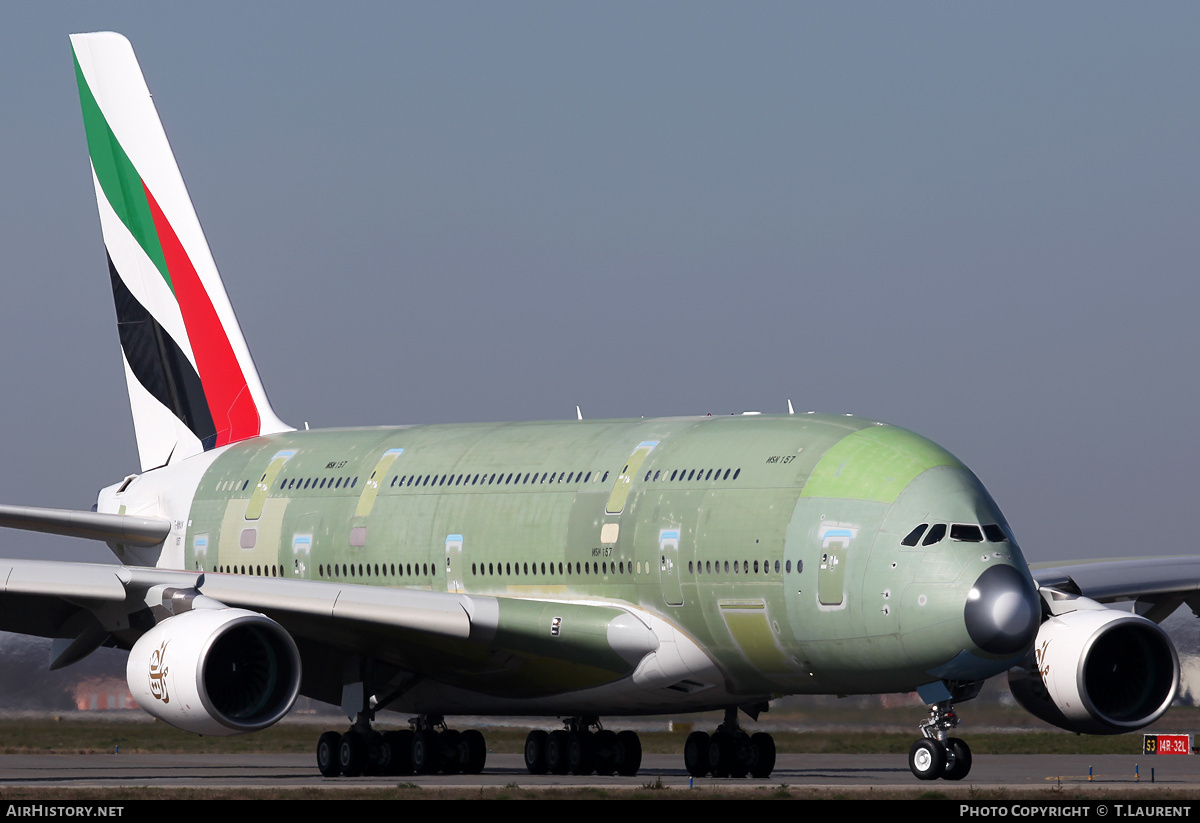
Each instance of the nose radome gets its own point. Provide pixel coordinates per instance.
(1002, 611)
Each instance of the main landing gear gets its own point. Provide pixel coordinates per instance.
(428, 747)
(576, 749)
(729, 751)
(938, 754)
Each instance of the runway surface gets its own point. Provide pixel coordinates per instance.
(278, 771)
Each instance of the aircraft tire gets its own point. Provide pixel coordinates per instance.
(352, 755)
(535, 752)
(742, 755)
(695, 754)
(629, 753)
(958, 760)
(581, 753)
(452, 756)
(476, 751)
(399, 744)
(720, 754)
(327, 754)
(425, 750)
(605, 750)
(764, 755)
(556, 752)
(927, 759)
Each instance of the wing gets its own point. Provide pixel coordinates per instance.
(1156, 586)
(510, 647)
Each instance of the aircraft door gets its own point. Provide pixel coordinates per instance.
(620, 492)
(454, 563)
(301, 552)
(258, 499)
(366, 499)
(668, 567)
(831, 571)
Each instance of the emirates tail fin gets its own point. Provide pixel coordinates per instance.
(192, 383)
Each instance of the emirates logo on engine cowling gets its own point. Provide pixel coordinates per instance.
(158, 673)
(1040, 654)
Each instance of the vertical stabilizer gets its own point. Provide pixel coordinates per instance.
(192, 383)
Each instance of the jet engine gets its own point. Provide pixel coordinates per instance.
(215, 671)
(1097, 671)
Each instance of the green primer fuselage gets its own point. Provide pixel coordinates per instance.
(773, 542)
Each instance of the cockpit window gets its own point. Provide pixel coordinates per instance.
(966, 534)
(936, 533)
(914, 535)
(995, 534)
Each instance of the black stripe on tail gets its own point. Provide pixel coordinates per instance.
(159, 364)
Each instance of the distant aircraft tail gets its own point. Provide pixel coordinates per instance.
(192, 383)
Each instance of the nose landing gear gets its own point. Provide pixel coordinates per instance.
(938, 754)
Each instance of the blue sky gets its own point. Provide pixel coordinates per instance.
(975, 221)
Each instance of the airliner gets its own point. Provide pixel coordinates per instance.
(573, 570)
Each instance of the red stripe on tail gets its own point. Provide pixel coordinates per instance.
(229, 401)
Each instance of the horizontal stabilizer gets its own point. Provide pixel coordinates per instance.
(127, 529)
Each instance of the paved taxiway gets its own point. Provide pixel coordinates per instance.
(293, 771)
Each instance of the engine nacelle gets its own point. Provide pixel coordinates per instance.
(1098, 671)
(215, 671)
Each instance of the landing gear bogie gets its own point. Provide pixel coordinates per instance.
(423, 750)
(729, 751)
(577, 750)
